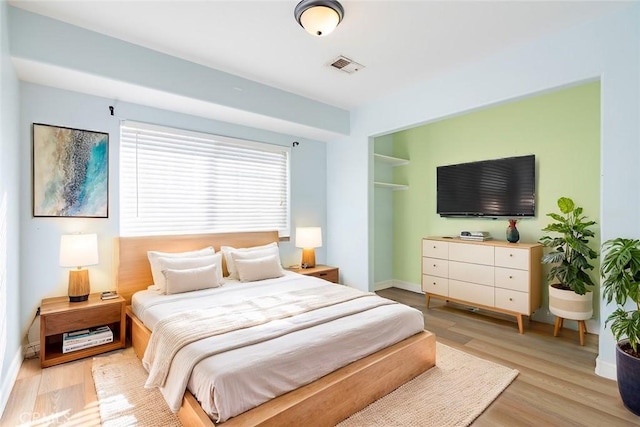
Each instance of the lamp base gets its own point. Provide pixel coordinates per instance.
(308, 258)
(79, 288)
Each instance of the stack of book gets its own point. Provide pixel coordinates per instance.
(85, 338)
(475, 235)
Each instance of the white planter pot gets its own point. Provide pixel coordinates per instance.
(569, 305)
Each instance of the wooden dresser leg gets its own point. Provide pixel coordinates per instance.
(428, 300)
(520, 326)
(558, 326)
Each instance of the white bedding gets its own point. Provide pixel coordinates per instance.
(302, 349)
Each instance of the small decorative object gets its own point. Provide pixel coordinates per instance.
(70, 172)
(513, 235)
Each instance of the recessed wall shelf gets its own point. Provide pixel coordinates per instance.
(387, 162)
(393, 187)
(392, 161)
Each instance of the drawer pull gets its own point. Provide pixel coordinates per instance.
(434, 265)
(434, 247)
(434, 283)
(510, 299)
(510, 255)
(510, 277)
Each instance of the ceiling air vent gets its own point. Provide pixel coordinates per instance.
(343, 63)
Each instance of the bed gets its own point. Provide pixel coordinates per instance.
(326, 400)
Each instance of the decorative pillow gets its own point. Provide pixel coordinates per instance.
(192, 279)
(156, 271)
(253, 252)
(252, 269)
(188, 263)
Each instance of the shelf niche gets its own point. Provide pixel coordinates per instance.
(393, 162)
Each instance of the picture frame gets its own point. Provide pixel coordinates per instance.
(70, 172)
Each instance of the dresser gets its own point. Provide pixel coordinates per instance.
(493, 275)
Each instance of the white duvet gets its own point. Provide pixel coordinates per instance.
(283, 354)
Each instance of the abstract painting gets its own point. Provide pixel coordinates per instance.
(70, 172)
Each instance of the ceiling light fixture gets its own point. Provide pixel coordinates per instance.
(319, 17)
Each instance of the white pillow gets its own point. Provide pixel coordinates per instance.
(253, 252)
(156, 271)
(188, 263)
(192, 279)
(252, 269)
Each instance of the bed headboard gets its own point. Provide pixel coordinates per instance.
(131, 265)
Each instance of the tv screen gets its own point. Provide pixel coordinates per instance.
(490, 188)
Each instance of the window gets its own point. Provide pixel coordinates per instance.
(174, 181)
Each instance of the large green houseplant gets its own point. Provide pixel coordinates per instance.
(570, 284)
(620, 270)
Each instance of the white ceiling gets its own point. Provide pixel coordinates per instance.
(399, 42)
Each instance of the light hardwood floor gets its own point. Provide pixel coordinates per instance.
(556, 385)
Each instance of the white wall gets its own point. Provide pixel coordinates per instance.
(382, 242)
(607, 49)
(10, 330)
(40, 274)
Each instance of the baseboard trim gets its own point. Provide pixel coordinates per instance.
(10, 379)
(407, 286)
(606, 369)
(383, 285)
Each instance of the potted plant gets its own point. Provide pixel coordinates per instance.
(570, 295)
(620, 270)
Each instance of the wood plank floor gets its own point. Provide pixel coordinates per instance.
(556, 385)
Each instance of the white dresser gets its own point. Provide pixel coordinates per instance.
(492, 275)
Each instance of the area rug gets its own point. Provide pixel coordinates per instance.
(453, 393)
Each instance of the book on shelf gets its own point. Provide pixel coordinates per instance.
(69, 347)
(86, 335)
(85, 338)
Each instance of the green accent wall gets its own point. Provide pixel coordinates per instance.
(561, 128)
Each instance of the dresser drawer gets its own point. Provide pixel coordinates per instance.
(471, 292)
(328, 275)
(435, 285)
(509, 278)
(435, 267)
(507, 299)
(72, 320)
(435, 249)
(482, 274)
(467, 252)
(512, 258)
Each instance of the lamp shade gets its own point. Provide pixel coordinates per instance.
(78, 250)
(308, 237)
(319, 17)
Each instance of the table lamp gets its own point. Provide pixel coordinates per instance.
(78, 250)
(308, 238)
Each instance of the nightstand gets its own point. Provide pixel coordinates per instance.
(58, 315)
(325, 272)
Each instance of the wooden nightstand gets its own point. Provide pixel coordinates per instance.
(325, 272)
(58, 315)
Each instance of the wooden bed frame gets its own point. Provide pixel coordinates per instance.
(326, 401)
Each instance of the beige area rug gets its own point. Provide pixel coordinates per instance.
(453, 393)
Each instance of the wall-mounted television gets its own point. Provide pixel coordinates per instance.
(489, 188)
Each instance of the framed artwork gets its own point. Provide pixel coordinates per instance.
(70, 172)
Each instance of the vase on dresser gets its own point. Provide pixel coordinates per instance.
(513, 235)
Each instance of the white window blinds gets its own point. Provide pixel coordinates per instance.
(174, 181)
